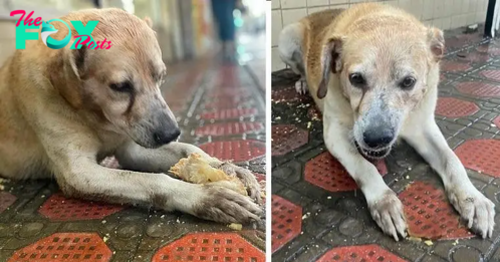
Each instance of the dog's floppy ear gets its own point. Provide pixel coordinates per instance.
(148, 21)
(330, 62)
(66, 73)
(436, 40)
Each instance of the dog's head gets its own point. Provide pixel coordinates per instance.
(384, 72)
(119, 85)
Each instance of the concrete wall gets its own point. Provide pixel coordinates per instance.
(444, 14)
(7, 39)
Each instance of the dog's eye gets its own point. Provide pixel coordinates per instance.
(122, 87)
(408, 82)
(357, 79)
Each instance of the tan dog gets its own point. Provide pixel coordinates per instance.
(62, 111)
(373, 71)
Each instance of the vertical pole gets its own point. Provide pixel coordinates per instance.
(489, 24)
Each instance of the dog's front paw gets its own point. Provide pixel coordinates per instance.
(223, 205)
(475, 208)
(247, 178)
(301, 86)
(387, 211)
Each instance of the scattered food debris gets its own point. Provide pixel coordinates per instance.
(428, 242)
(235, 226)
(414, 239)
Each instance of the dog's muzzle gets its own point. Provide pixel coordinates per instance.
(374, 154)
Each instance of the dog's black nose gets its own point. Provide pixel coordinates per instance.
(379, 138)
(162, 137)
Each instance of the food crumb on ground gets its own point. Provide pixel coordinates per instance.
(235, 226)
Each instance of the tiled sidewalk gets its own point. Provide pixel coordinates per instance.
(318, 213)
(221, 109)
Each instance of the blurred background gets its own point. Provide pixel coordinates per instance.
(187, 29)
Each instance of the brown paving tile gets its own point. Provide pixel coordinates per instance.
(491, 74)
(225, 114)
(210, 247)
(452, 107)
(288, 94)
(326, 172)
(229, 128)
(479, 89)
(453, 66)
(496, 121)
(235, 150)
(286, 138)
(71, 247)
(6, 199)
(364, 253)
(59, 208)
(286, 221)
(495, 51)
(429, 214)
(481, 155)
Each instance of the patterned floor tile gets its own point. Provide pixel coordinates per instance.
(429, 213)
(210, 247)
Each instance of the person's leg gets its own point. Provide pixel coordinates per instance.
(223, 14)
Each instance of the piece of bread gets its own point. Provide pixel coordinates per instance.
(197, 170)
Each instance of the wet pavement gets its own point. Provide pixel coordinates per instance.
(220, 107)
(319, 215)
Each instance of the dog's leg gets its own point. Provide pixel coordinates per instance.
(83, 178)
(473, 206)
(135, 157)
(385, 207)
(290, 52)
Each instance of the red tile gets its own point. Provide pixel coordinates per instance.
(496, 121)
(326, 172)
(236, 150)
(489, 49)
(452, 107)
(260, 177)
(452, 66)
(286, 222)
(234, 113)
(429, 214)
(210, 247)
(286, 138)
(481, 155)
(229, 92)
(228, 76)
(57, 207)
(366, 253)
(478, 89)
(68, 247)
(491, 74)
(442, 77)
(477, 57)
(230, 128)
(288, 94)
(6, 199)
(222, 104)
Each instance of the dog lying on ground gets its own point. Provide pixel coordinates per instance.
(373, 71)
(63, 110)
